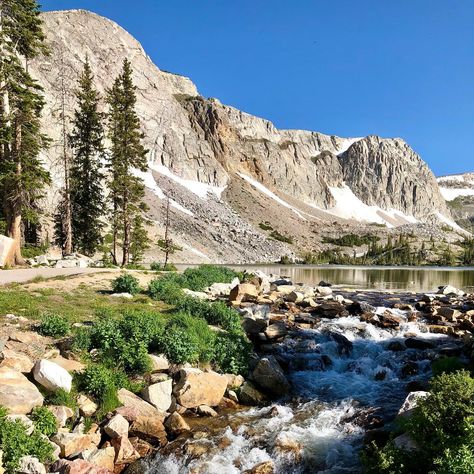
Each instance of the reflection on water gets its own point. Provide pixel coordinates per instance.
(383, 278)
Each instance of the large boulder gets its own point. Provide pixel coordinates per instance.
(17, 394)
(130, 400)
(243, 292)
(250, 395)
(117, 427)
(449, 290)
(52, 376)
(6, 245)
(150, 429)
(72, 444)
(104, 457)
(159, 394)
(411, 402)
(269, 376)
(78, 466)
(176, 424)
(195, 387)
(30, 465)
(16, 360)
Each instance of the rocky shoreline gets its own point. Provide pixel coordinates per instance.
(182, 406)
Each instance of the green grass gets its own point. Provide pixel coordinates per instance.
(79, 305)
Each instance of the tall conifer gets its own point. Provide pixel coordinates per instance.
(127, 154)
(86, 140)
(22, 176)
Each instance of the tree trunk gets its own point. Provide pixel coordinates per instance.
(67, 189)
(13, 207)
(126, 237)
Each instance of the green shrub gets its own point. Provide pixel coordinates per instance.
(166, 288)
(16, 443)
(265, 226)
(217, 314)
(159, 267)
(442, 425)
(446, 365)
(274, 234)
(32, 251)
(198, 279)
(126, 341)
(179, 346)
(126, 284)
(232, 353)
(44, 421)
(198, 333)
(54, 325)
(82, 340)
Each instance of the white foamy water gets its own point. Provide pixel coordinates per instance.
(335, 381)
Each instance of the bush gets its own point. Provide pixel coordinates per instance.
(159, 267)
(44, 421)
(166, 288)
(54, 325)
(198, 279)
(199, 339)
(442, 426)
(16, 443)
(351, 240)
(217, 314)
(126, 341)
(126, 284)
(274, 234)
(232, 353)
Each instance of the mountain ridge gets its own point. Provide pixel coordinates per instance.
(196, 142)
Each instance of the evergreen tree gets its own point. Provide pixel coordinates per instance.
(86, 140)
(22, 176)
(139, 239)
(127, 154)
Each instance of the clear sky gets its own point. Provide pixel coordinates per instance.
(398, 68)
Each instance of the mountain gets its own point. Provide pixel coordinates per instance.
(241, 190)
(458, 190)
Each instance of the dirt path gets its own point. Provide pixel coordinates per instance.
(28, 274)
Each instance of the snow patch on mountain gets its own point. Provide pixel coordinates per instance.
(150, 183)
(196, 187)
(260, 187)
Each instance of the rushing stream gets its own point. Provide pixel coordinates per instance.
(340, 388)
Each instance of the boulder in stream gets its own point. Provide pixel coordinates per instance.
(270, 377)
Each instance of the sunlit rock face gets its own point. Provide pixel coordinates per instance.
(227, 171)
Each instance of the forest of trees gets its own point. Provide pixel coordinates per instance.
(99, 183)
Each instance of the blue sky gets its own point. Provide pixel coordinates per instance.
(401, 68)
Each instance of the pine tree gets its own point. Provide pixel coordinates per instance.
(139, 239)
(86, 141)
(22, 176)
(127, 154)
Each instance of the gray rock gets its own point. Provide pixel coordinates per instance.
(270, 377)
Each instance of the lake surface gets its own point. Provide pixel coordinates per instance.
(381, 278)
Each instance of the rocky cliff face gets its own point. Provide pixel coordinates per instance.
(389, 174)
(227, 171)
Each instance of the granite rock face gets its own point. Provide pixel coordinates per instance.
(212, 160)
(389, 174)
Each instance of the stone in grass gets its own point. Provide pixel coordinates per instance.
(52, 376)
(87, 407)
(159, 363)
(16, 360)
